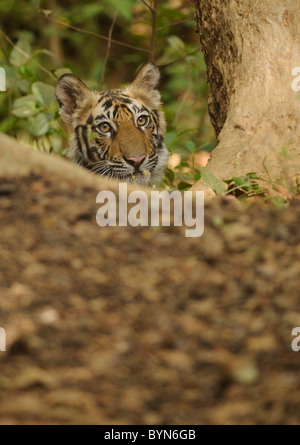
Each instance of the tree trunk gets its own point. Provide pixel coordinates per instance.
(251, 49)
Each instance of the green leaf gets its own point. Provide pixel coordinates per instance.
(210, 179)
(241, 182)
(228, 181)
(16, 57)
(43, 92)
(56, 142)
(170, 138)
(41, 124)
(204, 146)
(23, 86)
(169, 175)
(60, 71)
(181, 133)
(25, 106)
(176, 43)
(183, 185)
(279, 202)
(125, 9)
(48, 53)
(252, 175)
(83, 12)
(190, 146)
(26, 72)
(182, 165)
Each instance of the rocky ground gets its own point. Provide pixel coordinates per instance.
(128, 325)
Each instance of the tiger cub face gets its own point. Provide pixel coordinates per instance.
(117, 133)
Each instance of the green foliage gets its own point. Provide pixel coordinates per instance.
(212, 181)
(252, 187)
(32, 109)
(245, 186)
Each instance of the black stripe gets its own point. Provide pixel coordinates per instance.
(115, 110)
(90, 120)
(77, 130)
(126, 108)
(125, 101)
(101, 116)
(154, 116)
(107, 104)
(84, 138)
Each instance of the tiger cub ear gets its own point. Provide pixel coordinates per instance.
(70, 92)
(146, 83)
(147, 78)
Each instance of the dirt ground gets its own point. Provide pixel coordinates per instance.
(128, 325)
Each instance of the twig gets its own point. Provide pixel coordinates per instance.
(84, 31)
(153, 10)
(4, 52)
(180, 59)
(147, 4)
(109, 43)
(182, 102)
(55, 42)
(180, 22)
(28, 57)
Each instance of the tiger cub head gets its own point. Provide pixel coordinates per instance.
(116, 133)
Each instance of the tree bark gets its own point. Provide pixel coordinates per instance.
(250, 49)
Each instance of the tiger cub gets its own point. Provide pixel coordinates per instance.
(116, 133)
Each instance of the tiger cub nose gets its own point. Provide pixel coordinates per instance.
(135, 161)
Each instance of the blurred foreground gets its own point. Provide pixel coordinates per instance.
(128, 325)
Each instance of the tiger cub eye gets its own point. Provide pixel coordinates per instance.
(104, 127)
(143, 120)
